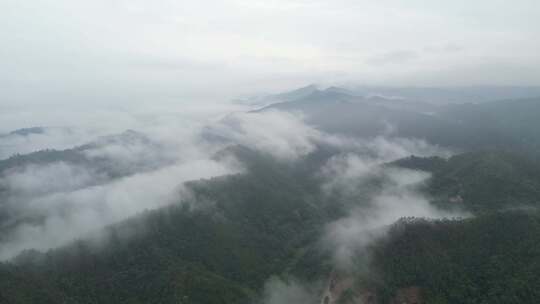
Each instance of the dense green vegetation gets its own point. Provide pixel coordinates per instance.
(506, 124)
(79, 156)
(489, 259)
(222, 243)
(252, 226)
(500, 124)
(481, 181)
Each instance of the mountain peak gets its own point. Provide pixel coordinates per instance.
(28, 131)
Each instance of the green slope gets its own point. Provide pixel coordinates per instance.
(481, 181)
(489, 259)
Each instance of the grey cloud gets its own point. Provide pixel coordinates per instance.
(33, 180)
(71, 214)
(280, 134)
(371, 212)
(278, 291)
(445, 48)
(51, 138)
(71, 200)
(51, 204)
(395, 57)
(348, 237)
(384, 149)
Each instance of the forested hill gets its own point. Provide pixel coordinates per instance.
(488, 259)
(254, 225)
(511, 123)
(481, 181)
(321, 220)
(504, 124)
(236, 231)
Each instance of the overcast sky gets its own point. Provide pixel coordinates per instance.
(126, 51)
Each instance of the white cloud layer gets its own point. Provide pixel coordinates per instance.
(48, 204)
(277, 291)
(371, 213)
(280, 134)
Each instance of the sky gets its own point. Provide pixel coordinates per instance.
(121, 53)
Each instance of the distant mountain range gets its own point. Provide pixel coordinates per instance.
(496, 124)
(425, 95)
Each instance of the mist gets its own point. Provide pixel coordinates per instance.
(116, 176)
(126, 173)
(278, 291)
(371, 212)
(104, 178)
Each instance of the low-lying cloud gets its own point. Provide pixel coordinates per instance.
(372, 211)
(278, 291)
(48, 204)
(43, 138)
(68, 215)
(51, 202)
(280, 134)
(51, 199)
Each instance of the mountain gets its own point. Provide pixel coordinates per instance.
(505, 123)
(445, 261)
(317, 97)
(28, 131)
(295, 94)
(265, 100)
(488, 259)
(451, 95)
(255, 224)
(221, 244)
(91, 155)
(235, 231)
(332, 223)
(490, 125)
(369, 117)
(481, 181)
(426, 96)
(24, 178)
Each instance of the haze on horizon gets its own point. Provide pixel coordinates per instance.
(82, 54)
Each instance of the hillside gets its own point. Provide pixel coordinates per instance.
(323, 218)
(489, 259)
(481, 181)
(253, 226)
(490, 125)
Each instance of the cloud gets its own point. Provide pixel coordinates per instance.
(395, 57)
(280, 134)
(350, 236)
(34, 180)
(52, 203)
(47, 204)
(51, 138)
(444, 48)
(387, 149)
(71, 214)
(277, 291)
(381, 149)
(373, 208)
